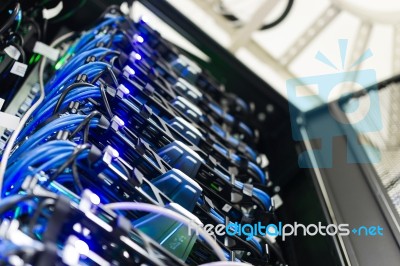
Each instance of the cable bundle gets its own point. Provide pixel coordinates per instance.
(128, 151)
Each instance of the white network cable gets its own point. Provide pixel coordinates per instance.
(137, 206)
(24, 119)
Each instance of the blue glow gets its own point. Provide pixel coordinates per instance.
(95, 199)
(81, 247)
(138, 38)
(138, 56)
(115, 153)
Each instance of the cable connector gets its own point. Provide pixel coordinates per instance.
(149, 89)
(103, 124)
(109, 154)
(100, 44)
(95, 154)
(122, 91)
(145, 111)
(128, 72)
(90, 59)
(31, 186)
(140, 146)
(88, 201)
(9, 230)
(62, 135)
(117, 123)
(81, 78)
(73, 107)
(136, 178)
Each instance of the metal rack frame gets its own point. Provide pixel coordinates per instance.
(352, 193)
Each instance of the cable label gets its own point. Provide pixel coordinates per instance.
(19, 69)
(12, 52)
(9, 121)
(47, 51)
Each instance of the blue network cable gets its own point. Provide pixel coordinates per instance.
(34, 141)
(93, 66)
(258, 171)
(259, 194)
(251, 165)
(79, 59)
(78, 94)
(92, 44)
(46, 111)
(90, 34)
(53, 163)
(234, 141)
(55, 160)
(37, 154)
(63, 78)
(50, 104)
(64, 178)
(16, 174)
(62, 123)
(45, 149)
(92, 70)
(218, 110)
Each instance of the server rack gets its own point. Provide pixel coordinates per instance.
(344, 193)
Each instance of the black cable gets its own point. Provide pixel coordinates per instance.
(45, 23)
(110, 42)
(112, 60)
(19, 36)
(78, 150)
(35, 25)
(96, 78)
(105, 100)
(85, 121)
(66, 91)
(109, 10)
(285, 13)
(129, 20)
(123, 167)
(11, 20)
(126, 35)
(108, 53)
(77, 180)
(114, 78)
(12, 201)
(86, 134)
(281, 17)
(103, 94)
(33, 221)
